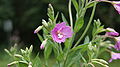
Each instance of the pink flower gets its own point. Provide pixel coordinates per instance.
(116, 4)
(111, 32)
(61, 32)
(117, 45)
(114, 56)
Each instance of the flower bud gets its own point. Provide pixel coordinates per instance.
(114, 56)
(43, 44)
(44, 23)
(30, 64)
(38, 29)
(111, 32)
(8, 65)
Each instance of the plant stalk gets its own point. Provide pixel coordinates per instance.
(91, 18)
(70, 14)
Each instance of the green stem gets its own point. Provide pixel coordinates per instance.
(70, 14)
(91, 18)
(66, 56)
(60, 48)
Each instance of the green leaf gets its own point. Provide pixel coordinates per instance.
(73, 57)
(80, 47)
(67, 45)
(60, 57)
(22, 64)
(30, 49)
(40, 37)
(47, 51)
(37, 62)
(18, 56)
(90, 4)
(55, 48)
(64, 19)
(44, 23)
(19, 63)
(86, 39)
(78, 24)
(100, 60)
(104, 65)
(75, 5)
(97, 28)
(56, 52)
(8, 52)
(46, 31)
(56, 18)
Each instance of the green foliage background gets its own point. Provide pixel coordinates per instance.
(26, 16)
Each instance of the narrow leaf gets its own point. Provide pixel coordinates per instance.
(91, 4)
(37, 61)
(104, 65)
(47, 51)
(40, 37)
(100, 60)
(75, 4)
(63, 18)
(86, 39)
(78, 24)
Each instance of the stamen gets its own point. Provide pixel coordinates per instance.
(60, 36)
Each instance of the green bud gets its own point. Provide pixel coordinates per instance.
(18, 55)
(31, 48)
(44, 23)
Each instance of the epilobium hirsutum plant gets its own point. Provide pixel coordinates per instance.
(59, 38)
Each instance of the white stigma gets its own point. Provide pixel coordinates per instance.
(60, 35)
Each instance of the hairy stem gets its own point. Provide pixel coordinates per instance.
(70, 14)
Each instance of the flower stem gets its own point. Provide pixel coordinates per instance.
(70, 14)
(91, 18)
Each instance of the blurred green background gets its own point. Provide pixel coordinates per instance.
(19, 19)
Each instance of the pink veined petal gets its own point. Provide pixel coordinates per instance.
(54, 34)
(117, 45)
(114, 56)
(117, 7)
(63, 24)
(112, 33)
(66, 31)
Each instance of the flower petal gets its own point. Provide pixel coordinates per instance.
(117, 7)
(114, 56)
(117, 45)
(67, 31)
(63, 24)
